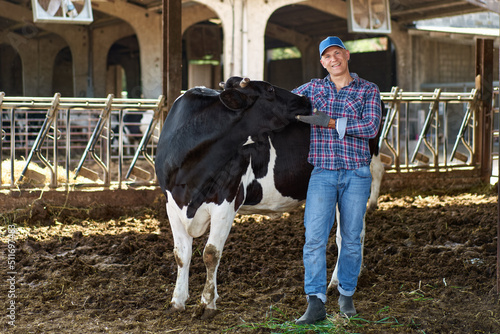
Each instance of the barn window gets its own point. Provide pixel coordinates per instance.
(283, 53)
(367, 45)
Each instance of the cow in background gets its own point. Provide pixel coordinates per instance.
(135, 125)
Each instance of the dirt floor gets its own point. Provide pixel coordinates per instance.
(429, 267)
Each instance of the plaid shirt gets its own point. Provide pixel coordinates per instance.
(359, 102)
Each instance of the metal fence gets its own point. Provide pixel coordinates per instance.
(429, 130)
(77, 141)
(88, 142)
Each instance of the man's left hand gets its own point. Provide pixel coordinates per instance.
(317, 118)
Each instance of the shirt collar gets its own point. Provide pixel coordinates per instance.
(354, 76)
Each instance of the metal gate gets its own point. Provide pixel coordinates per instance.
(84, 142)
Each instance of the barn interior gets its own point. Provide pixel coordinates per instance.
(121, 51)
(94, 250)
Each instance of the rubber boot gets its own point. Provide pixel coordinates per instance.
(315, 312)
(347, 306)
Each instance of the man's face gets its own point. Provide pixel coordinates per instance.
(335, 60)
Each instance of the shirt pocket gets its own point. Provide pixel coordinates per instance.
(354, 106)
(321, 103)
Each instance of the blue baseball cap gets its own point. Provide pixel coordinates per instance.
(330, 41)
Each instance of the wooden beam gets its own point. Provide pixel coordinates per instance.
(433, 9)
(172, 53)
(491, 5)
(498, 216)
(334, 7)
(484, 83)
(425, 7)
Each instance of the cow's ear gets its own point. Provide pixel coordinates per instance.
(234, 99)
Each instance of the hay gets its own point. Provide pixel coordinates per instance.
(37, 175)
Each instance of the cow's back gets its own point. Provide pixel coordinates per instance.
(184, 123)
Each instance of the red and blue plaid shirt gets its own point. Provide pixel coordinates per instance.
(359, 102)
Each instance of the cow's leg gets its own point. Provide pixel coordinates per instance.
(338, 240)
(183, 248)
(219, 231)
(334, 282)
(377, 170)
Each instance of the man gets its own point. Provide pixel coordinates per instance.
(346, 115)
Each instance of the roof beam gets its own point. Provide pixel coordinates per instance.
(491, 5)
(335, 7)
(426, 7)
(434, 11)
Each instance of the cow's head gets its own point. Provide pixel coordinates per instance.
(273, 106)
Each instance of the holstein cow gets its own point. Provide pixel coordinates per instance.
(223, 152)
(135, 125)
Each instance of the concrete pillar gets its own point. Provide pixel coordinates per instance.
(80, 51)
(29, 58)
(77, 38)
(49, 50)
(311, 67)
(102, 40)
(244, 25)
(151, 64)
(228, 11)
(255, 15)
(148, 27)
(37, 57)
(403, 44)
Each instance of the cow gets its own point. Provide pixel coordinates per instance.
(135, 125)
(6, 126)
(239, 150)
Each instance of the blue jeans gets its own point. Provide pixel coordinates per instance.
(350, 190)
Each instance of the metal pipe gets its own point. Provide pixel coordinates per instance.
(147, 136)
(96, 135)
(394, 134)
(12, 146)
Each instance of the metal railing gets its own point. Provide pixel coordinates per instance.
(420, 127)
(66, 132)
(88, 137)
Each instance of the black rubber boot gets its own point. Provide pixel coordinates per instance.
(315, 312)
(347, 306)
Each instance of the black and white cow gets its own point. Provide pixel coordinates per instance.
(222, 152)
(135, 125)
(24, 132)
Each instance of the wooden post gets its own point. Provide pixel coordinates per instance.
(484, 84)
(172, 53)
(498, 213)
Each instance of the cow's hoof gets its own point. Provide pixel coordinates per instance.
(209, 314)
(174, 309)
(204, 313)
(332, 286)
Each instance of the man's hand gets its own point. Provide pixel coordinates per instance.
(317, 118)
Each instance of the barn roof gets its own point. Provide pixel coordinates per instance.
(302, 18)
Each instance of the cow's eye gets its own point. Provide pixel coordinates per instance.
(270, 89)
